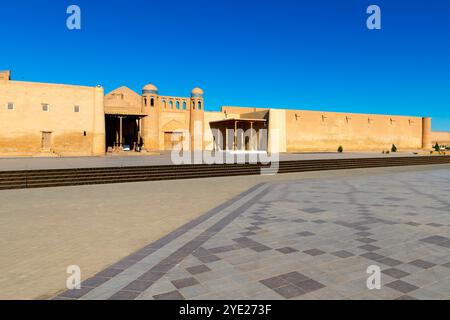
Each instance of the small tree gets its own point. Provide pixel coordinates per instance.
(340, 149)
(394, 148)
(436, 147)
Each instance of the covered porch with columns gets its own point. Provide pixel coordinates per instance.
(123, 131)
(239, 134)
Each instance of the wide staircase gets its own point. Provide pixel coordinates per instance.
(90, 176)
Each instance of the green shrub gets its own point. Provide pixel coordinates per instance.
(436, 147)
(394, 148)
(340, 149)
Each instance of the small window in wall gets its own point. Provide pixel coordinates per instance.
(178, 104)
(193, 105)
(76, 109)
(145, 101)
(44, 107)
(184, 105)
(171, 104)
(152, 102)
(10, 106)
(199, 105)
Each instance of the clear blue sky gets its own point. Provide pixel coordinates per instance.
(315, 54)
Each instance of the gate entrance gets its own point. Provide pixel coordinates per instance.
(171, 139)
(123, 132)
(46, 140)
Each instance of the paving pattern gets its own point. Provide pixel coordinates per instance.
(311, 239)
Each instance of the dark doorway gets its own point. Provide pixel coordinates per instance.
(122, 132)
(46, 141)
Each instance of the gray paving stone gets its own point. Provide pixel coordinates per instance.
(124, 295)
(343, 254)
(422, 264)
(314, 252)
(183, 283)
(289, 291)
(198, 269)
(369, 247)
(402, 286)
(287, 240)
(310, 285)
(390, 262)
(395, 273)
(173, 295)
(275, 282)
(287, 250)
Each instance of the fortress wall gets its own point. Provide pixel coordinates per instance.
(278, 133)
(240, 110)
(83, 132)
(21, 128)
(326, 131)
(440, 137)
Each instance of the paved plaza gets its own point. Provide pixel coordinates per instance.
(300, 239)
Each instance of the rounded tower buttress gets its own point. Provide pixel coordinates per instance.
(426, 133)
(150, 107)
(197, 118)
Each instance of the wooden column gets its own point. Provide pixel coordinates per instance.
(223, 131)
(235, 135)
(120, 131)
(251, 136)
(116, 142)
(258, 138)
(225, 138)
(242, 139)
(139, 130)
